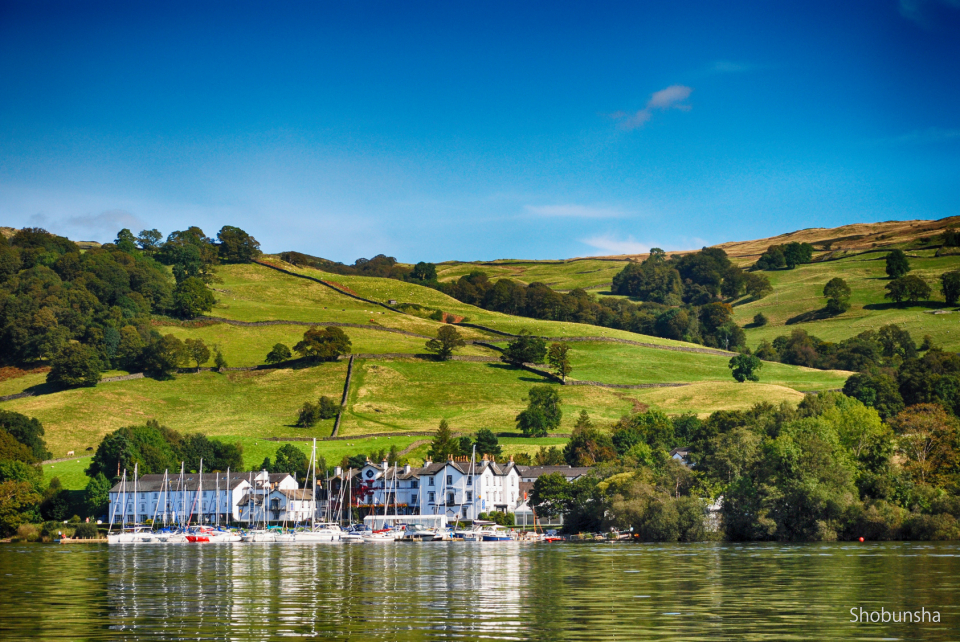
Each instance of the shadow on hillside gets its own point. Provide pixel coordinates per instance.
(528, 379)
(807, 317)
(930, 305)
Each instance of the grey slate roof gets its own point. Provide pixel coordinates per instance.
(191, 481)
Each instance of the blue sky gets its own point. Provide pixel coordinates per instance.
(457, 130)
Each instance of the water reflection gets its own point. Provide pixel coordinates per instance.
(470, 591)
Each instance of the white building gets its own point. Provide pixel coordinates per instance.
(193, 497)
(454, 488)
(282, 505)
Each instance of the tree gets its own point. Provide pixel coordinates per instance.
(928, 440)
(838, 295)
(191, 298)
(96, 496)
(75, 365)
(149, 240)
(950, 286)
(198, 351)
(878, 391)
(897, 264)
(236, 246)
(323, 344)
(760, 319)
(525, 348)
(18, 501)
(290, 459)
(328, 407)
(543, 412)
(126, 241)
(551, 456)
(424, 272)
(559, 359)
(27, 431)
(550, 495)
(219, 361)
(163, 355)
(758, 285)
(745, 367)
(653, 280)
(910, 288)
(308, 415)
(444, 444)
(278, 354)
(588, 445)
(487, 443)
(448, 339)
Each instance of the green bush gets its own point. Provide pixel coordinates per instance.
(87, 530)
(28, 533)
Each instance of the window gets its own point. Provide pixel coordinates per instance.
(449, 479)
(470, 480)
(451, 498)
(431, 482)
(414, 484)
(469, 496)
(430, 497)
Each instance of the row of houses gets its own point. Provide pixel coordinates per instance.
(456, 488)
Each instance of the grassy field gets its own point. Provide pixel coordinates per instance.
(248, 346)
(800, 291)
(253, 404)
(385, 290)
(618, 363)
(559, 275)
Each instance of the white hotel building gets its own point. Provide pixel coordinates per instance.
(455, 488)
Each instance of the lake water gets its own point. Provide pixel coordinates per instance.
(474, 591)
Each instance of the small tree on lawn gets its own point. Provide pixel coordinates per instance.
(838, 296)
(219, 360)
(75, 365)
(897, 264)
(909, 288)
(327, 407)
(448, 339)
(323, 344)
(309, 415)
(559, 359)
(526, 348)
(96, 497)
(760, 319)
(745, 367)
(278, 354)
(543, 412)
(198, 351)
(950, 286)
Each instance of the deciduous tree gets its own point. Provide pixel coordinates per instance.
(448, 339)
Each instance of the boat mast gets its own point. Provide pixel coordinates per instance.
(349, 497)
(216, 519)
(313, 513)
(160, 496)
(135, 512)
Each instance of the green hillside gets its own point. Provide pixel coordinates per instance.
(799, 292)
(589, 274)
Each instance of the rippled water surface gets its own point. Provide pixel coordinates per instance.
(471, 591)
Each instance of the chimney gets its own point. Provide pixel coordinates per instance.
(511, 459)
(385, 464)
(337, 471)
(406, 469)
(450, 458)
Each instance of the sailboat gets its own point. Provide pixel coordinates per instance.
(322, 532)
(263, 534)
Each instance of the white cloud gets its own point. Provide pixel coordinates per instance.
(672, 97)
(573, 211)
(610, 245)
(931, 135)
(90, 227)
(730, 67)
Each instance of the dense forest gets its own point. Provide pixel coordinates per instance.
(829, 469)
(89, 311)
